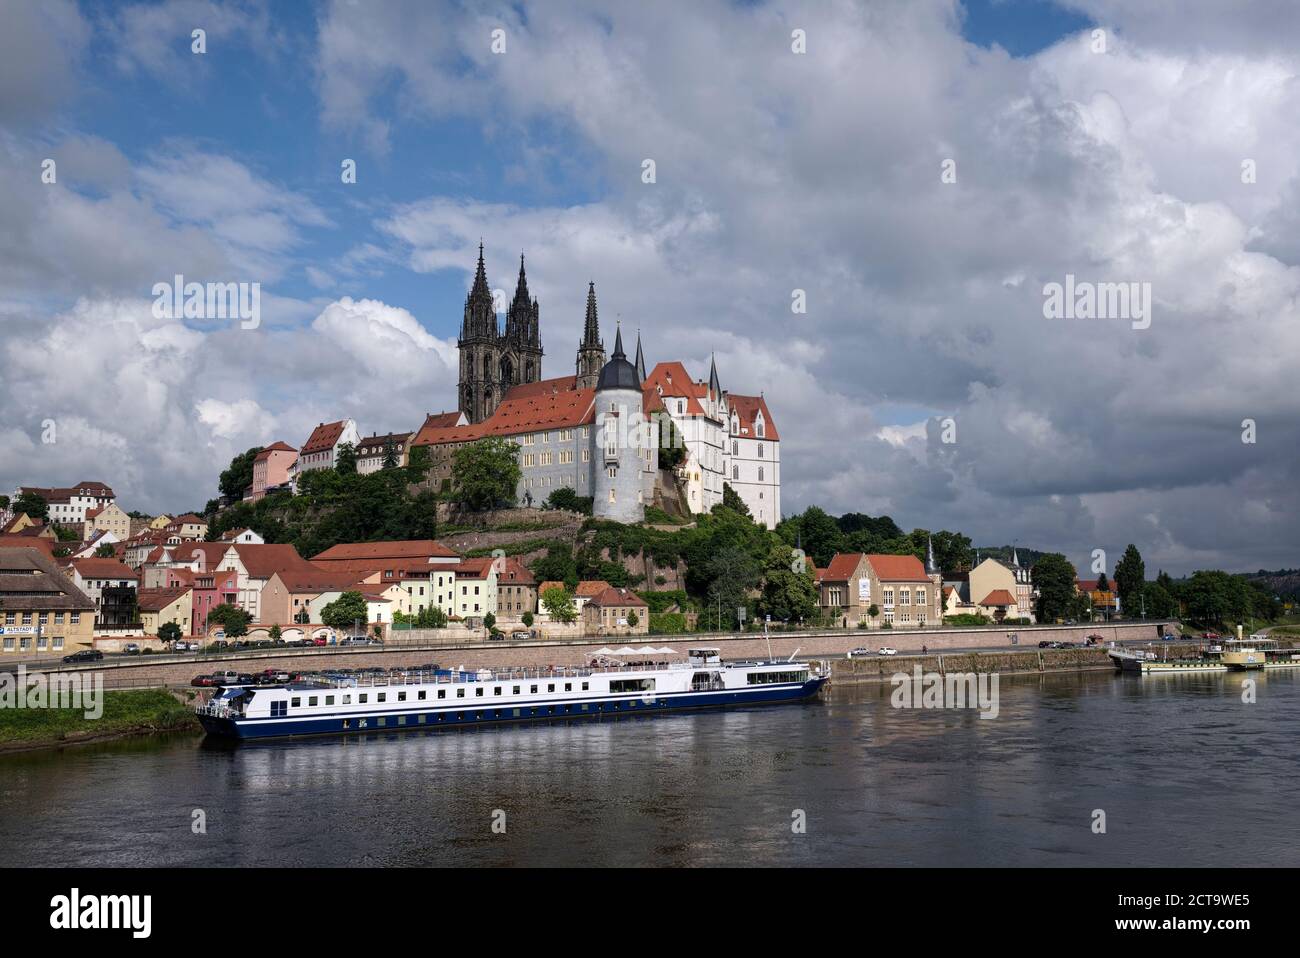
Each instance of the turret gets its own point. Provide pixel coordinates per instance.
(591, 351)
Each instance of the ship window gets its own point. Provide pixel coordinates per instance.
(460, 693)
(496, 690)
(401, 720)
(297, 702)
(568, 686)
(442, 693)
(422, 718)
(401, 696)
(584, 686)
(478, 693)
(382, 721)
(311, 700)
(532, 689)
(381, 697)
(347, 700)
(550, 687)
(329, 700)
(514, 690)
(363, 698)
(631, 685)
(423, 695)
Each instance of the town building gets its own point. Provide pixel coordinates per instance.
(321, 450)
(68, 504)
(999, 592)
(109, 518)
(904, 593)
(41, 609)
(111, 586)
(516, 589)
(476, 588)
(616, 611)
(160, 606)
(374, 451)
(273, 469)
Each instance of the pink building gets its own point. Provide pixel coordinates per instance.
(272, 468)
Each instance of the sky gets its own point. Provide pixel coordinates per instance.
(922, 171)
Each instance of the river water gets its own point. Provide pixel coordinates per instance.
(1184, 771)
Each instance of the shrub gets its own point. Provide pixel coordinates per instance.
(666, 623)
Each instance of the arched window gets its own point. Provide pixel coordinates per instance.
(487, 367)
(507, 370)
(760, 450)
(760, 473)
(735, 472)
(735, 447)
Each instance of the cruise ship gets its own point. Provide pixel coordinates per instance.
(446, 697)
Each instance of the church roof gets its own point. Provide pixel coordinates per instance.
(618, 373)
(747, 409)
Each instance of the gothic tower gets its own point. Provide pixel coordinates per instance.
(478, 349)
(492, 362)
(591, 351)
(521, 349)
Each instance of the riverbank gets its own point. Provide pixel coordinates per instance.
(126, 713)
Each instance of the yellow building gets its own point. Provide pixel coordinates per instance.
(41, 611)
(107, 518)
(159, 606)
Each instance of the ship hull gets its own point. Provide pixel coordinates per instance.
(360, 722)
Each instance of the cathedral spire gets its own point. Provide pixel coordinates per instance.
(591, 351)
(715, 387)
(521, 287)
(480, 288)
(640, 359)
(618, 345)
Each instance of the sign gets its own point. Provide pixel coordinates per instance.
(864, 589)
(740, 613)
(18, 629)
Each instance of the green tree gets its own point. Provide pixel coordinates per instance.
(303, 617)
(731, 500)
(33, 505)
(345, 463)
(672, 448)
(489, 621)
(733, 572)
(527, 619)
(1054, 577)
(232, 619)
(558, 565)
(234, 480)
(1159, 603)
(632, 619)
(565, 498)
(418, 463)
(789, 595)
(390, 454)
(345, 611)
(1130, 577)
(169, 632)
(486, 473)
(1103, 585)
(559, 603)
(275, 633)
(821, 535)
(105, 551)
(4, 503)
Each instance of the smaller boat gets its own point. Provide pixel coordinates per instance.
(1255, 652)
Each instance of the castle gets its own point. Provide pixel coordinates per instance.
(597, 431)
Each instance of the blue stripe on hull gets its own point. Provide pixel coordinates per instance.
(325, 725)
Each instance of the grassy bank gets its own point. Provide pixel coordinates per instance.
(125, 713)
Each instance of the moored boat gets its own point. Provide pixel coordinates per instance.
(446, 697)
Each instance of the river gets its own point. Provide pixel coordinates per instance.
(1184, 771)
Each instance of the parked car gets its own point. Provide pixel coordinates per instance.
(85, 655)
(317, 641)
(521, 635)
(886, 650)
(1095, 637)
(1168, 637)
(246, 679)
(131, 648)
(855, 653)
(203, 681)
(225, 677)
(1211, 635)
(1044, 644)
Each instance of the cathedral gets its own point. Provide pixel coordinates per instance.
(490, 361)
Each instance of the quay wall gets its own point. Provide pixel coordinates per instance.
(153, 671)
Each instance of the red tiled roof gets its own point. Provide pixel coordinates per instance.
(277, 446)
(842, 567)
(541, 387)
(325, 436)
(613, 596)
(474, 568)
(407, 549)
(263, 561)
(103, 569)
(675, 381)
(590, 587)
(898, 568)
(525, 410)
(999, 597)
(318, 580)
(515, 572)
(746, 408)
(433, 423)
(44, 546)
(155, 600)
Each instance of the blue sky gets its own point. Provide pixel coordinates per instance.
(777, 171)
